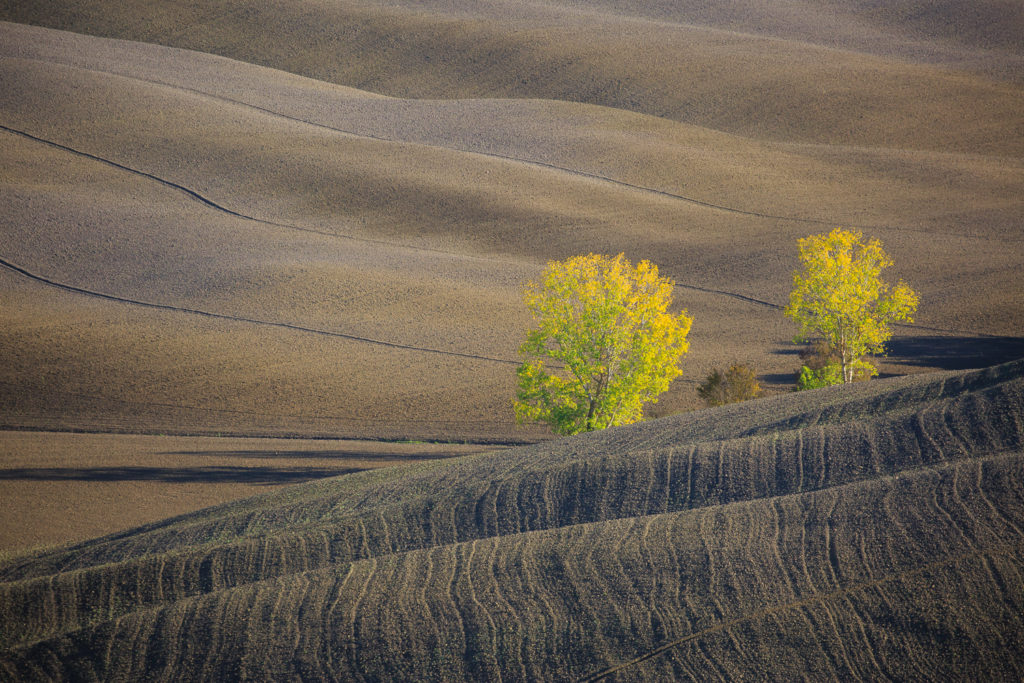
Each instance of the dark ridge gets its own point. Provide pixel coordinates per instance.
(899, 439)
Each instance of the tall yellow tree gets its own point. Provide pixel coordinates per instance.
(613, 343)
(839, 295)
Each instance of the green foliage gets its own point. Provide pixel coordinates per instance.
(817, 355)
(606, 325)
(839, 296)
(738, 383)
(821, 367)
(825, 376)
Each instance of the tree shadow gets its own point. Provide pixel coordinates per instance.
(940, 352)
(779, 377)
(954, 353)
(322, 455)
(261, 476)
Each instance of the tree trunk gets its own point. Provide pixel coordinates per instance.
(845, 359)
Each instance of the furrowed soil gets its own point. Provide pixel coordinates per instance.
(866, 532)
(267, 255)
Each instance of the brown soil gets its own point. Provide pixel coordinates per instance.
(65, 488)
(196, 245)
(848, 531)
(336, 246)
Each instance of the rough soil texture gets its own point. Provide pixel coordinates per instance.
(315, 220)
(873, 532)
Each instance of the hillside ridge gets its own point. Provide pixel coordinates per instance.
(920, 427)
(318, 219)
(325, 539)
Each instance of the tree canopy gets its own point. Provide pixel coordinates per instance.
(839, 296)
(613, 344)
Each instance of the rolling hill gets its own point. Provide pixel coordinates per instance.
(871, 532)
(199, 245)
(224, 220)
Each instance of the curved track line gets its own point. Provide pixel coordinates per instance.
(1001, 549)
(906, 326)
(506, 157)
(563, 169)
(452, 148)
(366, 240)
(241, 319)
(733, 295)
(231, 212)
(168, 183)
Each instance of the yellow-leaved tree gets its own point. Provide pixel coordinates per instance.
(839, 295)
(615, 346)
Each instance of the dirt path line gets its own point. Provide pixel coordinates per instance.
(491, 155)
(231, 212)
(506, 157)
(241, 319)
(218, 207)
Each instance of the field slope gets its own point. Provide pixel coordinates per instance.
(298, 218)
(876, 532)
(194, 244)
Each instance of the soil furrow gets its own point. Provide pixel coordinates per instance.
(1007, 549)
(400, 512)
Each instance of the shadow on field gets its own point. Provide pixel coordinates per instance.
(323, 455)
(955, 353)
(942, 353)
(778, 378)
(176, 475)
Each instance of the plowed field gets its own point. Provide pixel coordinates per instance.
(870, 533)
(267, 259)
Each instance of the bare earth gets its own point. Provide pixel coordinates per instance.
(65, 488)
(841, 534)
(268, 255)
(200, 245)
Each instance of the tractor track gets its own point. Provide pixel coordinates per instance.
(510, 158)
(242, 319)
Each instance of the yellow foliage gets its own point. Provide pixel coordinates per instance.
(840, 296)
(615, 346)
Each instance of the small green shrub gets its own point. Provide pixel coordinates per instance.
(822, 377)
(821, 367)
